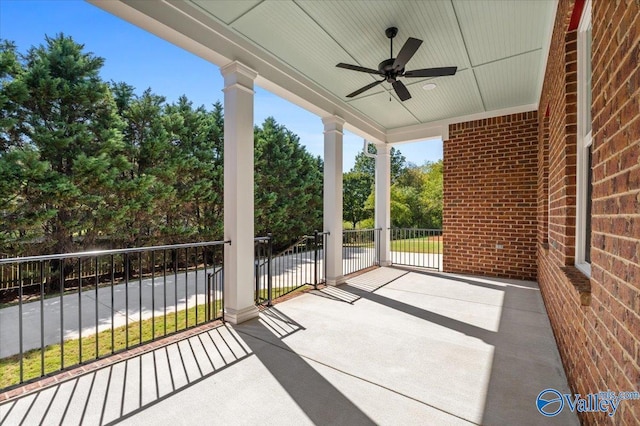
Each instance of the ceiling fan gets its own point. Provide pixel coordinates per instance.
(393, 68)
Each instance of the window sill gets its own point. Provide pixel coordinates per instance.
(580, 281)
(585, 268)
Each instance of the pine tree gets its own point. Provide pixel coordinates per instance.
(61, 119)
(288, 185)
(198, 138)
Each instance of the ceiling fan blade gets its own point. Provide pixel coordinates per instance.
(431, 72)
(401, 90)
(406, 53)
(358, 68)
(364, 89)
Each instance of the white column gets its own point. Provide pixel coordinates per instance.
(333, 198)
(238, 193)
(383, 200)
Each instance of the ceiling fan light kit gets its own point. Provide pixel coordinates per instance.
(393, 68)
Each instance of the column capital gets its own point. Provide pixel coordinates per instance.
(238, 74)
(382, 148)
(333, 123)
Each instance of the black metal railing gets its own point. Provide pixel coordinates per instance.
(360, 249)
(416, 247)
(69, 317)
(300, 264)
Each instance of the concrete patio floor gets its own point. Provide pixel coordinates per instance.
(391, 346)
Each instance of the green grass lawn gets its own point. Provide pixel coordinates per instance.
(418, 245)
(99, 345)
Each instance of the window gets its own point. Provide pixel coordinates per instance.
(584, 154)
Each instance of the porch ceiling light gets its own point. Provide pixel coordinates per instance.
(429, 86)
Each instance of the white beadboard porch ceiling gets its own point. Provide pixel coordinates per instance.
(499, 46)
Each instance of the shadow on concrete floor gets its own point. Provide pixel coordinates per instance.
(118, 391)
(322, 402)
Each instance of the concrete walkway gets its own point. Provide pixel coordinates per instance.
(389, 347)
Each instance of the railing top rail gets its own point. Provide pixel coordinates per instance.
(362, 230)
(319, 233)
(416, 229)
(109, 252)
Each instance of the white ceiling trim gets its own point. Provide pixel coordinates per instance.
(418, 132)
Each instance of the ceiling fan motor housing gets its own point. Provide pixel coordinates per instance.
(386, 67)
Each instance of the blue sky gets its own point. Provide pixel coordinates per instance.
(143, 60)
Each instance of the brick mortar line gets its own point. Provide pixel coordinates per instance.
(608, 138)
(606, 48)
(616, 278)
(614, 337)
(620, 172)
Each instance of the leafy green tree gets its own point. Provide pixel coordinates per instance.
(288, 185)
(416, 197)
(431, 195)
(61, 118)
(356, 190)
(367, 165)
(359, 184)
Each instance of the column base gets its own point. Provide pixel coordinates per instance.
(385, 263)
(336, 281)
(238, 316)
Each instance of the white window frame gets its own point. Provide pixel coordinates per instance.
(584, 142)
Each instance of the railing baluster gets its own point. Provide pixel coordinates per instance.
(42, 263)
(153, 295)
(97, 306)
(80, 310)
(140, 297)
(269, 277)
(174, 255)
(126, 298)
(207, 279)
(164, 288)
(20, 325)
(196, 282)
(62, 278)
(186, 287)
(113, 308)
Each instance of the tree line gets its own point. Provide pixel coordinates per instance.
(86, 163)
(416, 192)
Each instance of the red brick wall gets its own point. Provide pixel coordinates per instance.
(490, 185)
(543, 180)
(596, 321)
